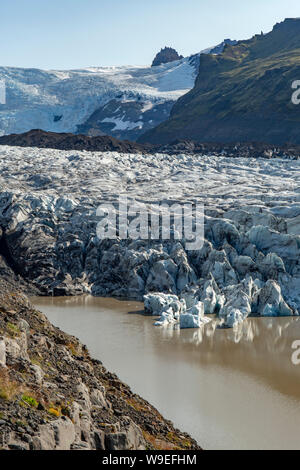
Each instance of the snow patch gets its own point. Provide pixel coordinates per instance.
(120, 124)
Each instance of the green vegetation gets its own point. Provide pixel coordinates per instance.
(30, 401)
(73, 349)
(243, 94)
(3, 394)
(8, 387)
(21, 423)
(12, 329)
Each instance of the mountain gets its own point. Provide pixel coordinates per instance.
(123, 102)
(165, 56)
(220, 47)
(243, 94)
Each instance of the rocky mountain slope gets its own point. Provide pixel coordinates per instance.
(123, 102)
(243, 94)
(48, 216)
(54, 396)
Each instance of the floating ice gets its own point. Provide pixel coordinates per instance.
(188, 320)
(172, 310)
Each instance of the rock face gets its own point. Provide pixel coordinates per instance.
(54, 396)
(126, 118)
(248, 264)
(166, 55)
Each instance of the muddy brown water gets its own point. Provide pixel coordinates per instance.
(228, 389)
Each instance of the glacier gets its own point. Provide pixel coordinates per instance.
(248, 265)
(60, 101)
(122, 101)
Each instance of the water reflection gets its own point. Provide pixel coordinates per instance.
(260, 347)
(273, 331)
(230, 388)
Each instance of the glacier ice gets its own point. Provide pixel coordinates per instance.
(51, 94)
(189, 320)
(172, 310)
(249, 263)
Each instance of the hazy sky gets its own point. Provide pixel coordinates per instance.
(80, 33)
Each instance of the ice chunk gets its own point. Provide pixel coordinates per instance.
(187, 320)
(197, 310)
(269, 301)
(234, 318)
(173, 310)
(167, 317)
(155, 303)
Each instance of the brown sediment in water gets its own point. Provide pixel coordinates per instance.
(55, 396)
(229, 389)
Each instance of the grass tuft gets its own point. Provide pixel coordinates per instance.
(30, 401)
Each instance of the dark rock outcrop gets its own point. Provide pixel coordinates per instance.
(67, 141)
(237, 149)
(220, 47)
(166, 55)
(43, 139)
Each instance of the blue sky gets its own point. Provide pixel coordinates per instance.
(66, 34)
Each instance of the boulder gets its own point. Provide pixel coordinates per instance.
(2, 352)
(45, 439)
(64, 432)
(97, 398)
(128, 439)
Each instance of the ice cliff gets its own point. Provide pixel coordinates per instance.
(248, 265)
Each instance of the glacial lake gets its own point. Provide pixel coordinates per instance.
(228, 389)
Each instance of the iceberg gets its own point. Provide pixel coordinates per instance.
(188, 320)
(173, 310)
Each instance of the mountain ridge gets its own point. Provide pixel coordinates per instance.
(243, 94)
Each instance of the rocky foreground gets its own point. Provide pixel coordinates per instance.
(53, 395)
